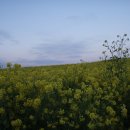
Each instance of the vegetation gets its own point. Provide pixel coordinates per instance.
(68, 97)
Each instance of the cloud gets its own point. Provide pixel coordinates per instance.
(6, 37)
(37, 62)
(63, 51)
(51, 52)
(4, 34)
(88, 17)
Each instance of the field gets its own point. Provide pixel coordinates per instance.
(64, 97)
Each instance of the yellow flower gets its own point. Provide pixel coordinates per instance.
(31, 117)
(81, 118)
(61, 112)
(2, 92)
(124, 111)
(108, 122)
(36, 103)
(46, 110)
(2, 110)
(16, 123)
(61, 121)
(41, 129)
(110, 111)
(28, 103)
(92, 116)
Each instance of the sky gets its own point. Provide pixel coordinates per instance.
(47, 32)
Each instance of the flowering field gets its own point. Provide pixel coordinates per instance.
(63, 97)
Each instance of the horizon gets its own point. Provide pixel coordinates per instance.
(36, 33)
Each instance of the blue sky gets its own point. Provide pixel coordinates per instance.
(45, 32)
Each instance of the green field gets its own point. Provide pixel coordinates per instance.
(63, 97)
